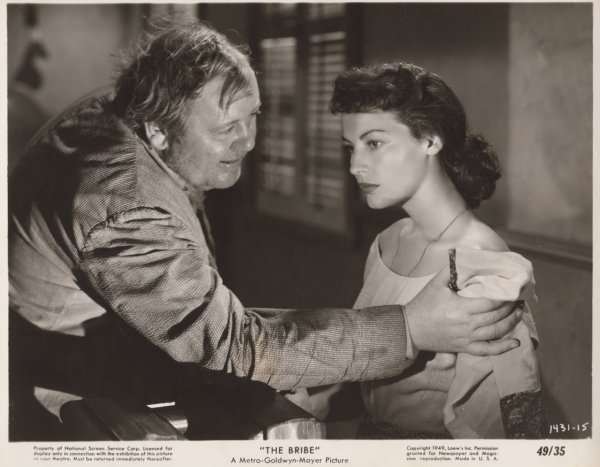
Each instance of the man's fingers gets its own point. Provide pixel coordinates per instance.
(498, 329)
(483, 307)
(492, 348)
(497, 311)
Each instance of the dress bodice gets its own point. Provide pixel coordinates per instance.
(413, 400)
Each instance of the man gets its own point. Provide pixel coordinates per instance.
(104, 231)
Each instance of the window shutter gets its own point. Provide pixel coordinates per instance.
(302, 175)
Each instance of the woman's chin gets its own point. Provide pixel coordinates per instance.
(378, 203)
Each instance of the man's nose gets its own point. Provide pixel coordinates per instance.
(245, 140)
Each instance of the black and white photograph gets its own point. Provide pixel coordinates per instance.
(349, 233)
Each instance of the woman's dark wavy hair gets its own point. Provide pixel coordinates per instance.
(427, 106)
(173, 61)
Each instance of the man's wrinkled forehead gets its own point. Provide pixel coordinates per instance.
(229, 95)
(226, 101)
(233, 86)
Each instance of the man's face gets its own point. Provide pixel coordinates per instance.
(208, 153)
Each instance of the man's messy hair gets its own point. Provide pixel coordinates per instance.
(157, 78)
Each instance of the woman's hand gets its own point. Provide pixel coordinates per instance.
(441, 321)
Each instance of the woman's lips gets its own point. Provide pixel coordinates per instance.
(368, 187)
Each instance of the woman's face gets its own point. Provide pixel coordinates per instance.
(388, 163)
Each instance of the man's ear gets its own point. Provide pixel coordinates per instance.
(434, 144)
(156, 137)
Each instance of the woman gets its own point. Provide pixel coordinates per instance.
(407, 135)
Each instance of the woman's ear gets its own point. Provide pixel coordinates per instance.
(156, 137)
(434, 144)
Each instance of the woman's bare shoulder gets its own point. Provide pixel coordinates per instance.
(480, 236)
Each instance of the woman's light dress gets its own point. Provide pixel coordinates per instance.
(415, 399)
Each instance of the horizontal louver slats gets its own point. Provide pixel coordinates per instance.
(302, 161)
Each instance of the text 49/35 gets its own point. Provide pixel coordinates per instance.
(551, 451)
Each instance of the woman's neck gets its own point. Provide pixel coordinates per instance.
(436, 204)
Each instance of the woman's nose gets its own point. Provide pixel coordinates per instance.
(357, 165)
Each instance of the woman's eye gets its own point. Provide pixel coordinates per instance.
(374, 144)
(228, 130)
(349, 149)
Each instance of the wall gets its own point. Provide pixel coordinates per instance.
(79, 40)
(229, 18)
(549, 164)
(563, 318)
(549, 185)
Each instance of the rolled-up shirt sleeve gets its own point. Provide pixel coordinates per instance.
(150, 269)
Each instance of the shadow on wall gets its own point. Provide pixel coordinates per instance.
(25, 115)
(56, 54)
(563, 318)
(25, 118)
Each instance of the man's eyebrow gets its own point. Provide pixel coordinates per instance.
(254, 110)
(363, 135)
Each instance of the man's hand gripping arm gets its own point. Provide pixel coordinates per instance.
(439, 320)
